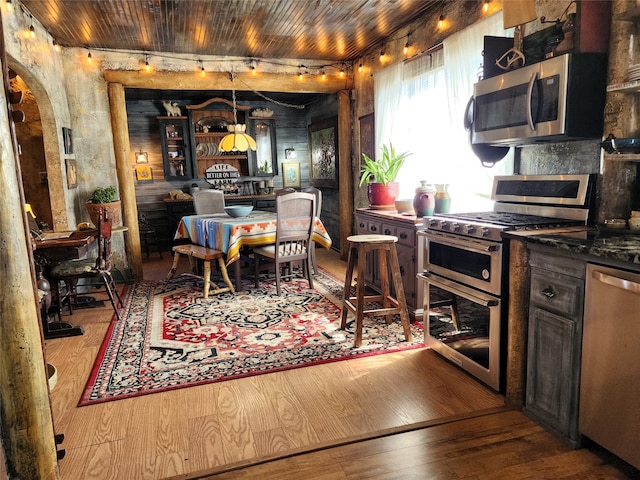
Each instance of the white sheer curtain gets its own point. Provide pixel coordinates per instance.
(386, 106)
(419, 108)
(463, 59)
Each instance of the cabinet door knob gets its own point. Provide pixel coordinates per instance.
(387, 231)
(548, 292)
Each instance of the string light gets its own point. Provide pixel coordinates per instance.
(405, 50)
(382, 54)
(202, 72)
(56, 45)
(323, 75)
(441, 21)
(32, 30)
(147, 67)
(360, 68)
(9, 6)
(485, 6)
(253, 69)
(342, 72)
(89, 57)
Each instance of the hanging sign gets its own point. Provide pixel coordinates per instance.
(221, 174)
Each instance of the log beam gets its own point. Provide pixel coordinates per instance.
(345, 175)
(120, 130)
(263, 82)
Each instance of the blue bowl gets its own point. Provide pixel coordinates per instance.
(238, 210)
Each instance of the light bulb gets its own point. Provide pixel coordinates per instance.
(147, 67)
(382, 55)
(441, 21)
(485, 6)
(9, 6)
(341, 72)
(89, 57)
(56, 45)
(323, 75)
(32, 31)
(253, 70)
(360, 68)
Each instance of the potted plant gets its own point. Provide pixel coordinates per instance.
(105, 198)
(381, 175)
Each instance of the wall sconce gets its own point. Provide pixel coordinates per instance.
(142, 157)
(289, 153)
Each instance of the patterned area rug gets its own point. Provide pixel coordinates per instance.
(170, 337)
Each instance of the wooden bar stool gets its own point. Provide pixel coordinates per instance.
(385, 246)
(206, 255)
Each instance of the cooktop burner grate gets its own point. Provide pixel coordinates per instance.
(505, 219)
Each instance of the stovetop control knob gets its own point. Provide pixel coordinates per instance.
(433, 223)
(444, 225)
(485, 231)
(456, 227)
(470, 229)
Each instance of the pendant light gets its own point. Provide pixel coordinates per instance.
(236, 140)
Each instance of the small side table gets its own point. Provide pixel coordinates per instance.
(385, 246)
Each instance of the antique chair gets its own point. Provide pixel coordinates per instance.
(208, 201)
(148, 235)
(71, 271)
(295, 217)
(318, 194)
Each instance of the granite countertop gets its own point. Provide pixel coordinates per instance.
(622, 245)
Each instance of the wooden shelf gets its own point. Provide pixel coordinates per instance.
(622, 157)
(625, 87)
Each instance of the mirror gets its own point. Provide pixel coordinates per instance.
(265, 156)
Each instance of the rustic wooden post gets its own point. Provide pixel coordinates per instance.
(345, 180)
(518, 322)
(121, 147)
(26, 424)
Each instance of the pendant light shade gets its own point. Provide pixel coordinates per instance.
(237, 140)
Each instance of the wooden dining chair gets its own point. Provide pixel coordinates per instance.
(318, 194)
(70, 272)
(295, 216)
(208, 201)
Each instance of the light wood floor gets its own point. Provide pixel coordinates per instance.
(223, 427)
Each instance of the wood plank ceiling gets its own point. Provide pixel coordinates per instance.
(334, 30)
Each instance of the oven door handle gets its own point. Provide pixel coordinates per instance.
(478, 297)
(489, 247)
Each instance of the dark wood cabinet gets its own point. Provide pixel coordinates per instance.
(176, 152)
(555, 342)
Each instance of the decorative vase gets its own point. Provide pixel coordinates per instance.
(443, 199)
(424, 202)
(114, 212)
(382, 196)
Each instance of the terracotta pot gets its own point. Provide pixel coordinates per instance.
(383, 196)
(114, 211)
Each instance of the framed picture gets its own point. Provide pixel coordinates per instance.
(144, 173)
(72, 172)
(291, 174)
(367, 136)
(67, 138)
(323, 150)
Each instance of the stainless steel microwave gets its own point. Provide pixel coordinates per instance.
(555, 100)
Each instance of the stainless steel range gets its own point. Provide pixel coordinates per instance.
(466, 276)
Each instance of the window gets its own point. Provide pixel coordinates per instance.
(419, 108)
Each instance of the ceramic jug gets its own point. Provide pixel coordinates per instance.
(424, 202)
(443, 199)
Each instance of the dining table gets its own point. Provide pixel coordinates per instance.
(229, 235)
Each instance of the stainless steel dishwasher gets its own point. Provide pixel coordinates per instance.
(610, 379)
